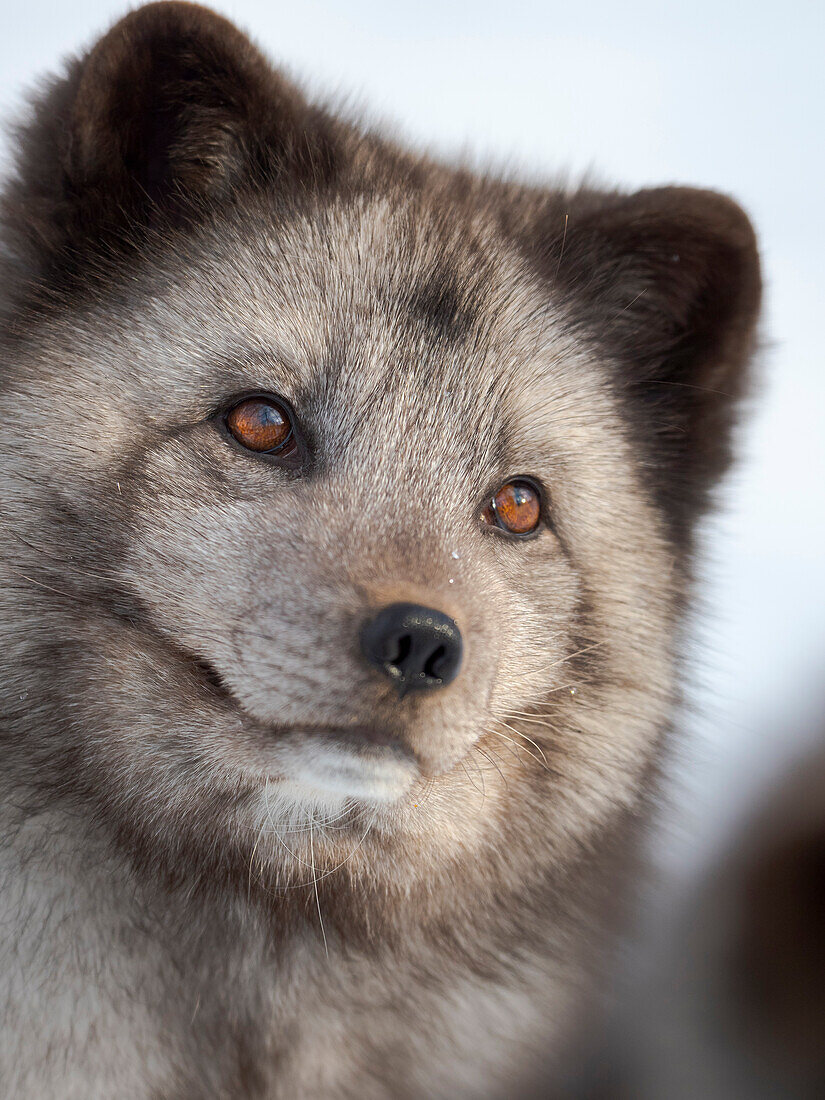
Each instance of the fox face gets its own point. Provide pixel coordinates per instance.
(349, 495)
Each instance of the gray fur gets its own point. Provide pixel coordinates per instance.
(178, 618)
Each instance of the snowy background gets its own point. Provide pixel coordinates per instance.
(718, 94)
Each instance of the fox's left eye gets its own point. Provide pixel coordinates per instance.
(515, 508)
(263, 424)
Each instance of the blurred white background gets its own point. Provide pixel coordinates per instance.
(715, 93)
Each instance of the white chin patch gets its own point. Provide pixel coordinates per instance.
(321, 773)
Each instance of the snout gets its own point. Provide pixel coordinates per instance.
(417, 648)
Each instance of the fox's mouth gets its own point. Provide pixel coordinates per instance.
(363, 762)
(341, 763)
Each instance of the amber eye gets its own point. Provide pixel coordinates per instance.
(262, 424)
(516, 508)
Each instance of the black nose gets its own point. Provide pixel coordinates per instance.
(416, 647)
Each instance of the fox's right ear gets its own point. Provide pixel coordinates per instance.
(172, 110)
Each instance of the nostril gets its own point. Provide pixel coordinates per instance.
(414, 646)
(436, 662)
(403, 648)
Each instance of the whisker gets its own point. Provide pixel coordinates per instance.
(480, 771)
(518, 733)
(317, 896)
(522, 748)
(276, 834)
(492, 760)
(252, 857)
(429, 787)
(542, 763)
(471, 780)
(568, 657)
(572, 685)
(532, 718)
(338, 866)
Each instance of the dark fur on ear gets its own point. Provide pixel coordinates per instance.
(667, 281)
(172, 111)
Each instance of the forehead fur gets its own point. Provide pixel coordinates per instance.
(345, 309)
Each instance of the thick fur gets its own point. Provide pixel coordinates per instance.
(204, 895)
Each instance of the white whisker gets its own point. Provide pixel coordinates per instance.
(530, 740)
(317, 897)
(565, 659)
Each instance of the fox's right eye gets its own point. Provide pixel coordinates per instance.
(263, 424)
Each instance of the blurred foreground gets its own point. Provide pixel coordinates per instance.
(723, 991)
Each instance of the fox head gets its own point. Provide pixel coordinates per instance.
(348, 496)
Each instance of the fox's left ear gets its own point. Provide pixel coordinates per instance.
(667, 283)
